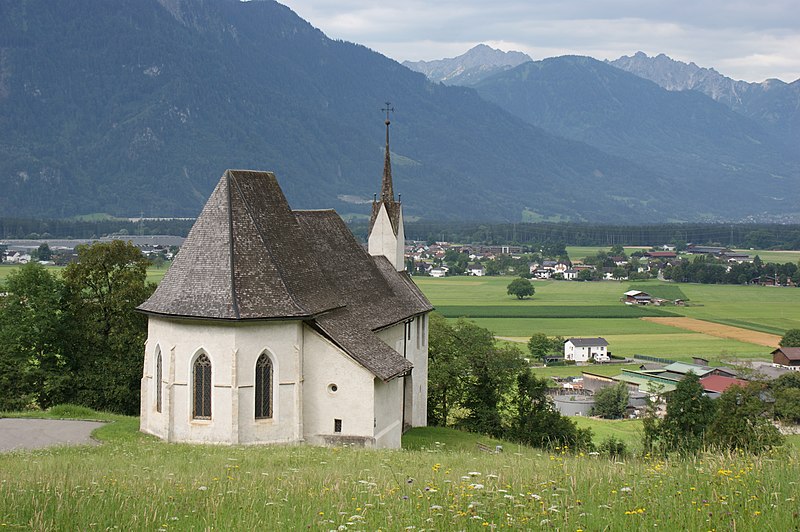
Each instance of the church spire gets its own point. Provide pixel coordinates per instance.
(387, 190)
(386, 234)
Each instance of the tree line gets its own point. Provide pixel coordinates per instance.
(75, 337)
(534, 235)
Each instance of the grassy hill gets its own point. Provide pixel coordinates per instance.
(440, 481)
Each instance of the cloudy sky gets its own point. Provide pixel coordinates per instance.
(745, 39)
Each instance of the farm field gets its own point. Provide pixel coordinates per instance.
(438, 481)
(594, 309)
(766, 255)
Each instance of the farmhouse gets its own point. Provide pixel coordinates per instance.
(787, 357)
(585, 349)
(276, 326)
(636, 297)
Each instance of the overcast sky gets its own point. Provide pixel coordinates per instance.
(745, 39)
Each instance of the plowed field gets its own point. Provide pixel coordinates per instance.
(719, 330)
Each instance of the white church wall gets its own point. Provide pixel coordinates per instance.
(383, 241)
(412, 342)
(283, 342)
(335, 387)
(388, 413)
(232, 399)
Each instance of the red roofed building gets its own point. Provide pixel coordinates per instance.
(718, 383)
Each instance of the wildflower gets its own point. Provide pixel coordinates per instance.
(203, 488)
(474, 473)
(625, 489)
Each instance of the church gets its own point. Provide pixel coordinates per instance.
(275, 325)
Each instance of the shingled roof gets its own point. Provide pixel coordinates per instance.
(250, 257)
(588, 342)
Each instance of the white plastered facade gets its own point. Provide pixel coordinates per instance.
(383, 240)
(314, 383)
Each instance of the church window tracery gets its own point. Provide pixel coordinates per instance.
(263, 387)
(159, 375)
(202, 388)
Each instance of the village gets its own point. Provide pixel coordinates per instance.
(442, 259)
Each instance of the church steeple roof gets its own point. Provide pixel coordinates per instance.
(387, 189)
(386, 198)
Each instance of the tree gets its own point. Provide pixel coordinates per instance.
(521, 288)
(540, 345)
(102, 290)
(585, 275)
(787, 404)
(791, 338)
(611, 401)
(742, 421)
(689, 412)
(537, 422)
(446, 369)
(469, 372)
(491, 371)
(44, 252)
(31, 339)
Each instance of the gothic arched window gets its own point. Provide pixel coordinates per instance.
(158, 380)
(263, 387)
(202, 388)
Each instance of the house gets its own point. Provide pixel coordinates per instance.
(718, 383)
(570, 274)
(437, 272)
(661, 254)
(276, 326)
(636, 297)
(585, 349)
(476, 270)
(787, 357)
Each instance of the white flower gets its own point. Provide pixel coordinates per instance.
(203, 488)
(474, 473)
(476, 486)
(626, 489)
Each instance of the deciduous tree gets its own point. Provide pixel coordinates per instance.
(743, 421)
(791, 338)
(611, 401)
(689, 412)
(521, 288)
(103, 289)
(32, 339)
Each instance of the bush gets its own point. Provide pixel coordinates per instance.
(613, 447)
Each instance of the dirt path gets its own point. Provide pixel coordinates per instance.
(720, 331)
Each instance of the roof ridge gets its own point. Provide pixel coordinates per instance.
(234, 295)
(262, 238)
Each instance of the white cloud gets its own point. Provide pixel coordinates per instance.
(740, 38)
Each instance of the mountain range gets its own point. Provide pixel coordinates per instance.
(473, 66)
(138, 106)
(773, 103)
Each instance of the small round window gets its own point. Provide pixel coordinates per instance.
(332, 388)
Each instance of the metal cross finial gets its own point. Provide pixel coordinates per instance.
(387, 110)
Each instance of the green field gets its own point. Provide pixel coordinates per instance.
(766, 255)
(593, 309)
(440, 480)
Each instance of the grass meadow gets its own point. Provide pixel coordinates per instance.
(439, 481)
(568, 308)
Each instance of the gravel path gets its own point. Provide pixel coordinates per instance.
(18, 433)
